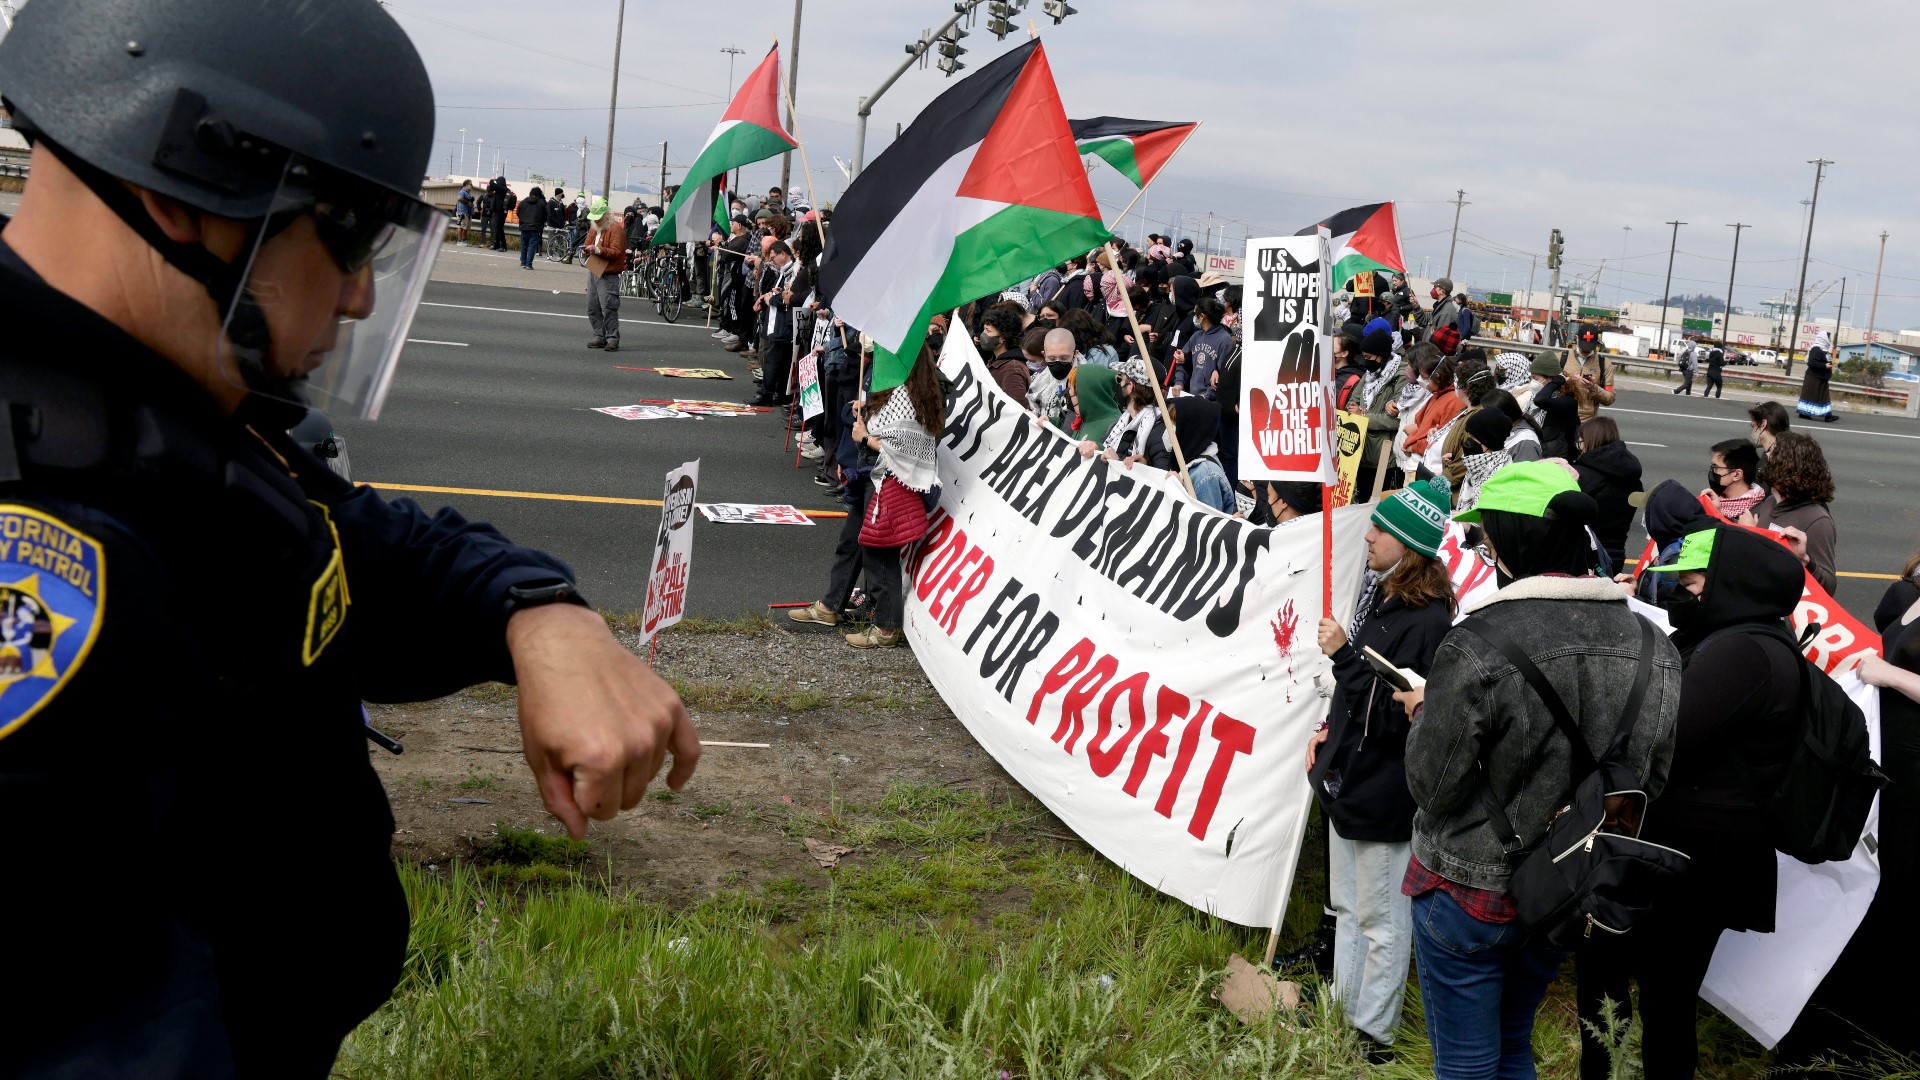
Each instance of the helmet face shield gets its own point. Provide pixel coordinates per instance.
(333, 280)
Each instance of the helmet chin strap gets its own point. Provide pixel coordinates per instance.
(239, 310)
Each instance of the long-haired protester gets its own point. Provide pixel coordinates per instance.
(1768, 420)
(1357, 762)
(1798, 504)
(1611, 474)
(1485, 738)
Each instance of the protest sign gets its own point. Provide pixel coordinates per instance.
(1141, 663)
(1350, 443)
(672, 552)
(713, 408)
(692, 373)
(1284, 362)
(1763, 981)
(810, 401)
(753, 514)
(643, 412)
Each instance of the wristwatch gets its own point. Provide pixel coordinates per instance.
(541, 593)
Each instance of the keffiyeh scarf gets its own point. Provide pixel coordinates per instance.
(906, 450)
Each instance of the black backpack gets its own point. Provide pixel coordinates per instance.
(1819, 808)
(1591, 871)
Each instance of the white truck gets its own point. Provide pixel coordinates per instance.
(1625, 344)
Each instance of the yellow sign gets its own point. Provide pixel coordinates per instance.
(1363, 283)
(1350, 441)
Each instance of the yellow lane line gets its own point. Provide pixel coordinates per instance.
(550, 496)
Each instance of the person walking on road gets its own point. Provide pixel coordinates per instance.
(463, 208)
(499, 201)
(1716, 370)
(533, 226)
(1689, 363)
(606, 248)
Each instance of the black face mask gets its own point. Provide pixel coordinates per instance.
(1059, 368)
(1714, 481)
(1683, 610)
(990, 344)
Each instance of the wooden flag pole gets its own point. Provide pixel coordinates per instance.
(1140, 348)
(1141, 194)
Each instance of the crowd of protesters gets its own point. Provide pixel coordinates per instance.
(1520, 453)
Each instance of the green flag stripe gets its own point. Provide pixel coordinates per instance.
(740, 144)
(1117, 153)
(1353, 265)
(1012, 245)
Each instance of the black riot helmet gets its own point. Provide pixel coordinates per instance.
(262, 111)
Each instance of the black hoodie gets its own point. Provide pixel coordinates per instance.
(1672, 513)
(1739, 708)
(1611, 474)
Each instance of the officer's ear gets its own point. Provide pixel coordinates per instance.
(180, 222)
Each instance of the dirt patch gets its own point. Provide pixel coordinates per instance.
(843, 726)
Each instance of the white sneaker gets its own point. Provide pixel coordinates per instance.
(730, 339)
(812, 452)
(717, 335)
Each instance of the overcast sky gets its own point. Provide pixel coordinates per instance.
(1589, 118)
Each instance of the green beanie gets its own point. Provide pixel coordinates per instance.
(1417, 514)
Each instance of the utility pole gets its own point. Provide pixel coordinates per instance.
(1873, 313)
(1726, 323)
(793, 82)
(1799, 294)
(662, 196)
(583, 166)
(1840, 315)
(1666, 291)
(1459, 200)
(1532, 265)
(613, 98)
(731, 53)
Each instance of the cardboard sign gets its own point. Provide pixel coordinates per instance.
(1285, 358)
(753, 514)
(672, 561)
(643, 412)
(811, 403)
(692, 373)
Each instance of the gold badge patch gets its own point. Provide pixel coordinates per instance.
(327, 609)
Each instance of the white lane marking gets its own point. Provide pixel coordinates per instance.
(1655, 445)
(1823, 429)
(701, 325)
(430, 341)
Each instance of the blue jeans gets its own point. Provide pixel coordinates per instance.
(1480, 985)
(529, 246)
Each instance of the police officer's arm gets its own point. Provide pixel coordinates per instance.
(432, 597)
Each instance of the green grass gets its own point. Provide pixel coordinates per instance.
(956, 942)
(745, 624)
(479, 782)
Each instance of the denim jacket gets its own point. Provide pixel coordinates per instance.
(1481, 711)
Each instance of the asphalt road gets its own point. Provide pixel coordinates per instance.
(509, 409)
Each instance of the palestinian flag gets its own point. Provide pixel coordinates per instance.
(1137, 148)
(983, 190)
(749, 132)
(1361, 239)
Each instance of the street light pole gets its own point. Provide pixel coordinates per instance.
(463, 150)
(613, 97)
(1666, 291)
(914, 53)
(1726, 325)
(793, 83)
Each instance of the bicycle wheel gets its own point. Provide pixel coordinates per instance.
(629, 283)
(666, 296)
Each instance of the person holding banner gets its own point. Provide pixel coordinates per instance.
(1484, 734)
(1357, 763)
(900, 426)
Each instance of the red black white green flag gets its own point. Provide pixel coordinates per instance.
(1361, 239)
(1136, 148)
(983, 190)
(750, 131)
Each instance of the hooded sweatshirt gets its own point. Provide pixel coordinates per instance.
(1611, 474)
(1098, 389)
(1672, 513)
(1739, 706)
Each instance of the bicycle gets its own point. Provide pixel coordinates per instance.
(555, 245)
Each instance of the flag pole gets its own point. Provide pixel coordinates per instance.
(1138, 195)
(1140, 348)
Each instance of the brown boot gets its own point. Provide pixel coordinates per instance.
(875, 637)
(816, 613)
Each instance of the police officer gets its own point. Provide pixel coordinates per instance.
(222, 219)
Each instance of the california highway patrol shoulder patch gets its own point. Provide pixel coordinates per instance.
(52, 594)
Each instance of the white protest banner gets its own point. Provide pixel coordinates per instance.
(672, 552)
(811, 404)
(1284, 362)
(1141, 663)
(1763, 981)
